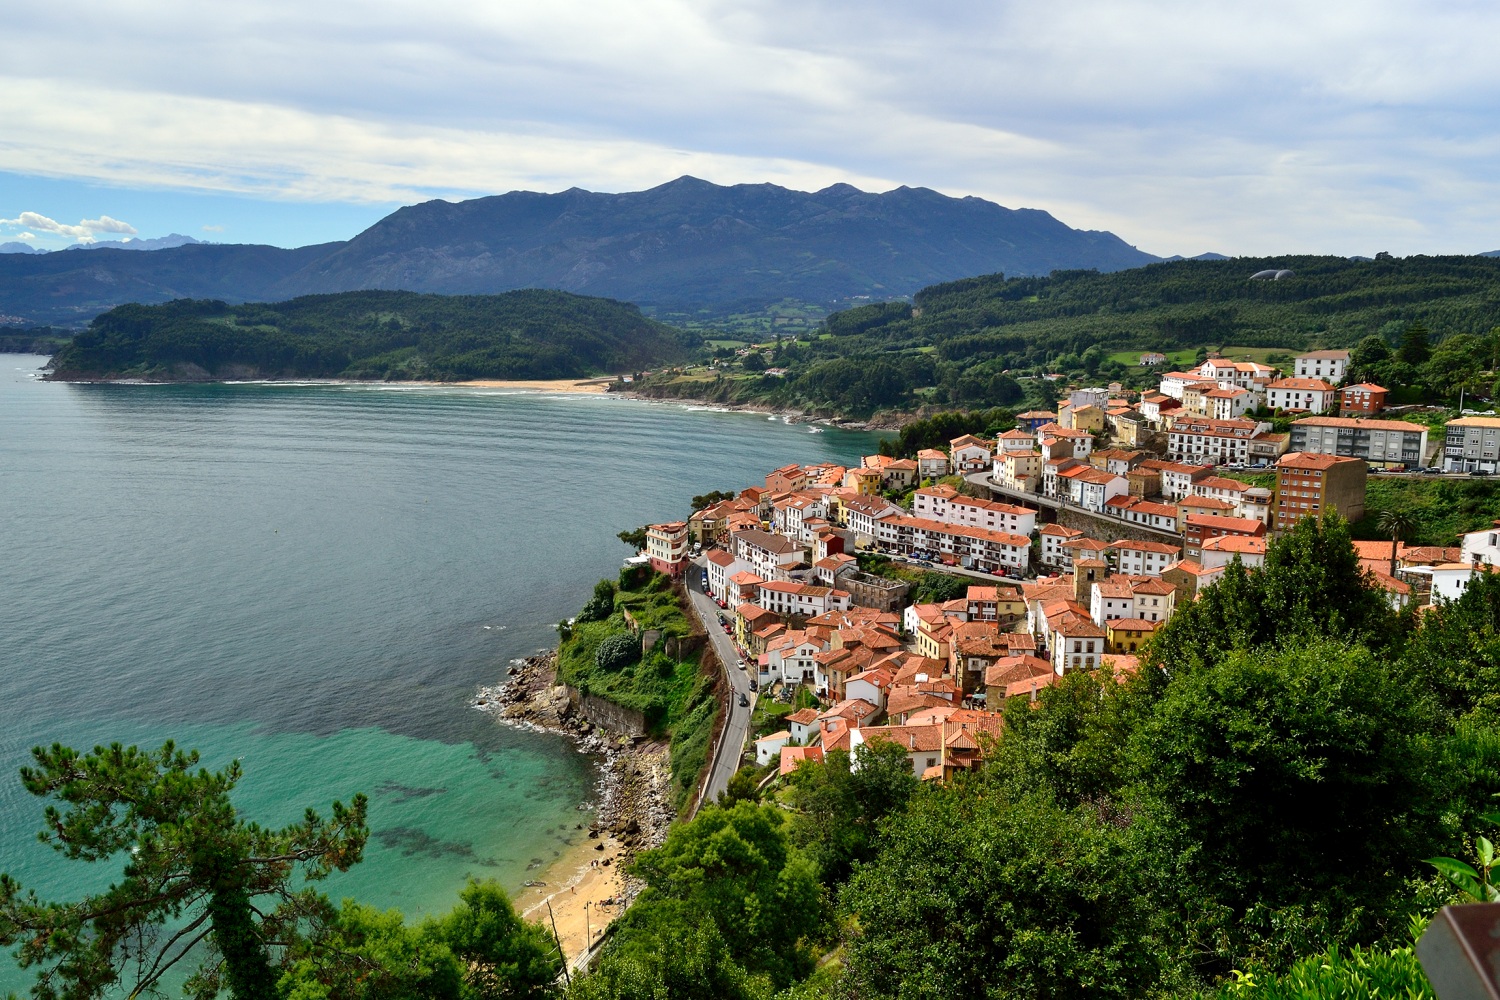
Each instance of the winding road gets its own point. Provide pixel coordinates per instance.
(731, 746)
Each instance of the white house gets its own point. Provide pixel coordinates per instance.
(1092, 488)
(931, 463)
(1483, 546)
(1145, 558)
(769, 556)
(1330, 365)
(721, 566)
(972, 454)
(1222, 550)
(862, 515)
(768, 748)
(1054, 537)
(786, 598)
(1311, 394)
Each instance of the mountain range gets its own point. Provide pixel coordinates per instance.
(687, 246)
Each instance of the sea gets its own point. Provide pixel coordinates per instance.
(314, 580)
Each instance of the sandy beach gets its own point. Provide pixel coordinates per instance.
(578, 884)
(535, 385)
(632, 809)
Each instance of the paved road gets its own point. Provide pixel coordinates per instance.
(732, 743)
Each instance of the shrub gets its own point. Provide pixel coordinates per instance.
(617, 652)
(601, 605)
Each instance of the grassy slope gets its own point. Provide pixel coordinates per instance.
(676, 696)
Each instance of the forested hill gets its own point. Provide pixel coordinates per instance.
(972, 342)
(1328, 301)
(530, 334)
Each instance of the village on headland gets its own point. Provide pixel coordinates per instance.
(1081, 531)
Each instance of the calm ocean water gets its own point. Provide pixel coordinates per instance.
(314, 579)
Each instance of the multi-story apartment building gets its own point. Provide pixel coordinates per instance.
(1145, 558)
(1019, 470)
(667, 546)
(1214, 442)
(1309, 485)
(1472, 443)
(1381, 441)
(1199, 528)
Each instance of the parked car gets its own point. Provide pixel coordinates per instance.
(744, 702)
(753, 685)
(1479, 472)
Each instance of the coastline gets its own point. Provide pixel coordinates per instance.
(587, 886)
(594, 385)
(599, 385)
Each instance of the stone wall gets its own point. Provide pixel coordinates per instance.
(1109, 529)
(607, 715)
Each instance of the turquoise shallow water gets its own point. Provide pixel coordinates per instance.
(314, 579)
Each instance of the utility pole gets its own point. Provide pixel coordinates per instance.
(567, 979)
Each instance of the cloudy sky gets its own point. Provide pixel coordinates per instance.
(1260, 128)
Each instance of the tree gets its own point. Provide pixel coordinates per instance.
(839, 808)
(480, 950)
(735, 868)
(974, 894)
(1454, 651)
(500, 954)
(1297, 780)
(711, 498)
(617, 651)
(1312, 585)
(1398, 524)
(636, 539)
(601, 605)
(1369, 361)
(194, 874)
(1414, 348)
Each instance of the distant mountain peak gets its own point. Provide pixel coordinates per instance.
(159, 243)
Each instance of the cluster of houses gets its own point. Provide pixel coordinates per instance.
(781, 559)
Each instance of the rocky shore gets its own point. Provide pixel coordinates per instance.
(633, 804)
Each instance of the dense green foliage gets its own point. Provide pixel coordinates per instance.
(1352, 974)
(480, 950)
(940, 428)
(1440, 509)
(600, 655)
(204, 889)
(927, 586)
(729, 907)
(32, 340)
(979, 342)
(377, 335)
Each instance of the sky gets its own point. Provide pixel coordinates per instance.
(1183, 127)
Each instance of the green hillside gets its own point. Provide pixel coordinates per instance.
(974, 342)
(375, 335)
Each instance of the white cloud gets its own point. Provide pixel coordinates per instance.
(1183, 126)
(213, 229)
(85, 231)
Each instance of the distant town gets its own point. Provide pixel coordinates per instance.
(1082, 530)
